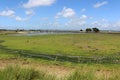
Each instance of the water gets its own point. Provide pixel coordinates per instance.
(41, 33)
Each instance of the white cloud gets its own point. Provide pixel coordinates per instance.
(83, 10)
(11, 14)
(37, 3)
(105, 24)
(18, 18)
(78, 22)
(66, 13)
(83, 17)
(8, 13)
(74, 23)
(81, 22)
(117, 24)
(29, 12)
(99, 4)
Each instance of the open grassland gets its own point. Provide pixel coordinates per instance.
(15, 50)
(69, 44)
(84, 48)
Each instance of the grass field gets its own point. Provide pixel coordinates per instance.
(12, 49)
(71, 44)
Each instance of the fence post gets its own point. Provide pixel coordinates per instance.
(55, 58)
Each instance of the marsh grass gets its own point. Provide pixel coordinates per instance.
(66, 44)
(94, 74)
(81, 73)
(87, 45)
(17, 73)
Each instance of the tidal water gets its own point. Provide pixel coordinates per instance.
(42, 33)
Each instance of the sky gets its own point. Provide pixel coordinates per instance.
(60, 14)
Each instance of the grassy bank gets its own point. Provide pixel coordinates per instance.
(81, 73)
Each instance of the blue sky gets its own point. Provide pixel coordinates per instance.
(60, 14)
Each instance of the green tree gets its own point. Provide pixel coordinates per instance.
(17, 30)
(88, 29)
(95, 30)
(81, 30)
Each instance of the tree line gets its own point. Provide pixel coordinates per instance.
(91, 30)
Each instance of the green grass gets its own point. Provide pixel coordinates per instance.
(6, 55)
(84, 72)
(17, 73)
(66, 44)
(96, 72)
(93, 74)
(70, 44)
